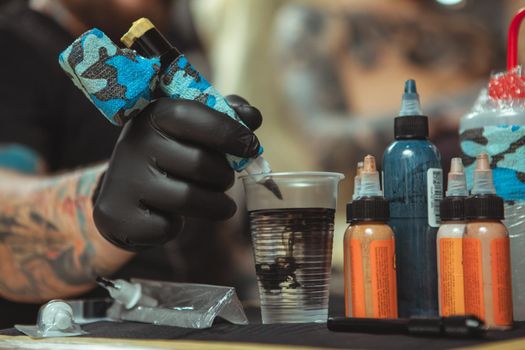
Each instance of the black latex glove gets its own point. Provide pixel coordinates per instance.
(169, 163)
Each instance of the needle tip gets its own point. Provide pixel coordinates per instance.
(103, 282)
(272, 186)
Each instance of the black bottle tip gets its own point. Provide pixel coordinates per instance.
(410, 86)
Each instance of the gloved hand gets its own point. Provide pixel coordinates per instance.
(169, 163)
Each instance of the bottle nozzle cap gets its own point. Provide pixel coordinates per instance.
(410, 86)
(369, 164)
(357, 180)
(137, 29)
(457, 184)
(370, 178)
(482, 162)
(360, 166)
(483, 182)
(410, 101)
(456, 165)
(411, 123)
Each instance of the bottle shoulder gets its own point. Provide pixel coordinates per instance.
(400, 145)
(488, 229)
(369, 230)
(452, 229)
(412, 150)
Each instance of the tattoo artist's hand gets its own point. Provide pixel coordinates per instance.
(169, 164)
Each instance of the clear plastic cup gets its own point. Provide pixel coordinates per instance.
(292, 243)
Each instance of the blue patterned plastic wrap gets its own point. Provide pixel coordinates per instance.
(505, 145)
(118, 81)
(181, 80)
(497, 127)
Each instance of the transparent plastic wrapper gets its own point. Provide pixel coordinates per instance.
(496, 125)
(183, 305)
(90, 310)
(55, 319)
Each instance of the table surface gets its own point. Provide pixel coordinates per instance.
(305, 334)
(314, 335)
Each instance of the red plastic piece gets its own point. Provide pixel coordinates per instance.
(511, 84)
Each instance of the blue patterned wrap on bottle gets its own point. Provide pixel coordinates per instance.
(505, 145)
(181, 80)
(118, 81)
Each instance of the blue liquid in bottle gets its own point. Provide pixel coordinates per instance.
(412, 183)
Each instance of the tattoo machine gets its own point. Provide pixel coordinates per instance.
(55, 319)
(454, 326)
(121, 82)
(126, 293)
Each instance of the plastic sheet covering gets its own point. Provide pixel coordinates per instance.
(183, 305)
(497, 127)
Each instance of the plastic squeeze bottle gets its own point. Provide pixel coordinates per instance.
(486, 252)
(413, 178)
(450, 243)
(369, 271)
(496, 125)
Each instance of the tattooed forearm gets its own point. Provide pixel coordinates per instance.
(49, 245)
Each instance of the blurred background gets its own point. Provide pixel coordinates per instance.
(328, 77)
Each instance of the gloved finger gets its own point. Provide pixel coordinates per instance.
(196, 123)
(236, 101)
(127, 227)
(173, 196)
(193, 163)
(249, 114)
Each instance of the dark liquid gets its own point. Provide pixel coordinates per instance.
(293, 252)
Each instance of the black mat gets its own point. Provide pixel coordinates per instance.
(291, 334)
(308, 334)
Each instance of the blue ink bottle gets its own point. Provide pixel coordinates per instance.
(413, 184)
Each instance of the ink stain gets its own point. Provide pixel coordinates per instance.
(280, 274)
(297, 233)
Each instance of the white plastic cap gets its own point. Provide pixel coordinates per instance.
(130, 294)
(483, 182)
(457, 183)
(370, 185)
(357, 180)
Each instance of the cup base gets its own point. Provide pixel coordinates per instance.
(294, 316)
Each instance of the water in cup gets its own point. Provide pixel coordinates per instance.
(292, 242)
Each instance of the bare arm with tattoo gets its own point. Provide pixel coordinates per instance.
(168, 164)
(49, 245)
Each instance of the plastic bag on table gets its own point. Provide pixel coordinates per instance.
(183, 305)
(90, 310)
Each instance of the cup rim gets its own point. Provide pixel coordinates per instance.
(340, 176)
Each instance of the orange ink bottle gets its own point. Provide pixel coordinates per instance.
(450, 243)
(369, 251)
(486, 252)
